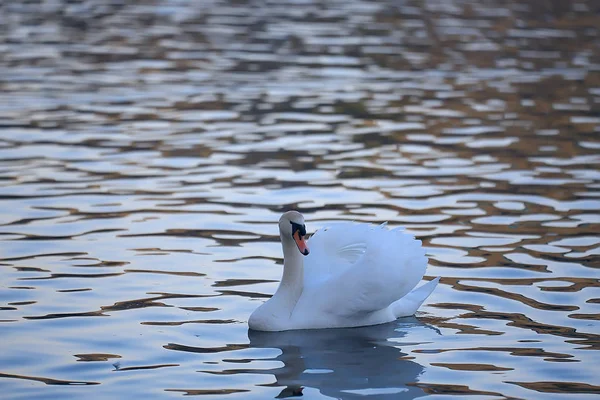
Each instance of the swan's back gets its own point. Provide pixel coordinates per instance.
(389, 263)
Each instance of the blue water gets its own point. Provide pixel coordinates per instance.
(147, 150)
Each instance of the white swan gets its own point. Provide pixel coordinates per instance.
(355, 275)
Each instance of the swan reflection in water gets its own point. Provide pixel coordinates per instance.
(344, 363)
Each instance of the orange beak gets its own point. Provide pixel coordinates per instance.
(301, 243)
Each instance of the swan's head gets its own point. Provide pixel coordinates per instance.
(291, 226)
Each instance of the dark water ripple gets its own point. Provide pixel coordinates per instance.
(148, 147)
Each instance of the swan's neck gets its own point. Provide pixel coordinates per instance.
(292, 282)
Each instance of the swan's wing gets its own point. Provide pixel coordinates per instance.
(389, 266)
(351, 252)
(333, 249)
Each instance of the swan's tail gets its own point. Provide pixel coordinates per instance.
(409, 304)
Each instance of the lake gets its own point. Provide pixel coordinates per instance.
(148, 148)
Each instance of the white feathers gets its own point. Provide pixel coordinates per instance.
(356, 274)
(352, 252)
(369, 267)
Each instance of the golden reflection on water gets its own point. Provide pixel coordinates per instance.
(147, 149)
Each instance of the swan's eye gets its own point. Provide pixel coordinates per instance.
(297, 227)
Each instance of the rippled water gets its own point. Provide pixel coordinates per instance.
(147, 149)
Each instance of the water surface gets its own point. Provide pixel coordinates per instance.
(147, 149)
